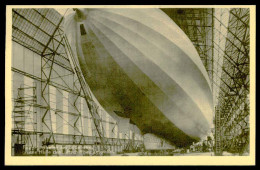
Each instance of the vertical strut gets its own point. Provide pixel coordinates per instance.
(88, 97)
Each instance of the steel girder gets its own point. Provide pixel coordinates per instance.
(234, 106)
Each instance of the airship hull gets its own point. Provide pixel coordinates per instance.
(135, 71)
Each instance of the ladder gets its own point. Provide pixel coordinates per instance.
(87, 94)
(22, 111)
(218, 149)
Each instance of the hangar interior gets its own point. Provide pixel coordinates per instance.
(51, 115)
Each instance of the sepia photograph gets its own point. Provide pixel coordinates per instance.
(126, 82)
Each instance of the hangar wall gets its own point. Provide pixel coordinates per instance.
(66, 125)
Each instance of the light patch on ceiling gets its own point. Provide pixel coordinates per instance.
(64, 11)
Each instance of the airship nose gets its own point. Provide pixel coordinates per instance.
(80, 14)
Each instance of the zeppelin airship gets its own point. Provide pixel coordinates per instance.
(140, 65)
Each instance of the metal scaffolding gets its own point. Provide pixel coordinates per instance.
(41, 31)
(234, 94)
(88, 97)
(221, 37)
(24, 133)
